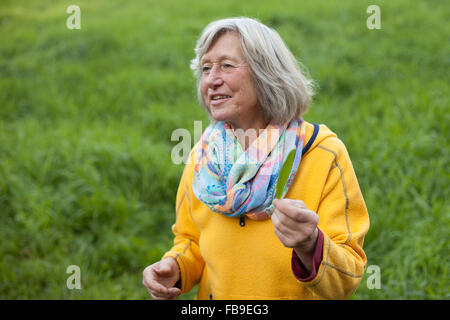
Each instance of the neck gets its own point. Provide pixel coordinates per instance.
(246, 134)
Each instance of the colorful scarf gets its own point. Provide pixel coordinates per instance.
(234, 182)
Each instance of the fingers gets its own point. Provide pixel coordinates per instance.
(294, 224)
(167, 267)
(160, 292)
(158, 279)
(296, 210)
(282, 236)
(172, 293)
(294, 221)
(155, 286)
(289, 202)
(284, 226)
(294, 234)
(163, 269)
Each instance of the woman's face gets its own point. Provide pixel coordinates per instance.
(227, 85)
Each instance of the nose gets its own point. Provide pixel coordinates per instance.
(214, 79)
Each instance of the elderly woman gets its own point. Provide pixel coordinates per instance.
(233, 235)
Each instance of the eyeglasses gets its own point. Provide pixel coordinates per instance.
(224, 66)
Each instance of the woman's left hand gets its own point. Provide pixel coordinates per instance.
(296, 227)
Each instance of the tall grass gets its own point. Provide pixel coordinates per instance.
(86, 118)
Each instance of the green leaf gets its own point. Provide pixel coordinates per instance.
(284, 174)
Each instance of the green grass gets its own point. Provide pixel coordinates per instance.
(86, 118)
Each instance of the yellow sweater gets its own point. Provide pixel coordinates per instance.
(250, 262)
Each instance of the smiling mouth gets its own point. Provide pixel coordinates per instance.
(215, 100)
(220, 97)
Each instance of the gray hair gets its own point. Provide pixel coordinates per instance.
(284, 92)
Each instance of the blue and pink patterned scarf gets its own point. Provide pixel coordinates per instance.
(234, 182)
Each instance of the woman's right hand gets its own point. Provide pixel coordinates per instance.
(160, 278)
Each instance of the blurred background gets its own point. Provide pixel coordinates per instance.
(86, 116)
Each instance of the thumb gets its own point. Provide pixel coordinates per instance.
(164, 268)
(295, 203)
(275, 202)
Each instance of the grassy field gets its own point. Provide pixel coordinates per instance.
(86, 118)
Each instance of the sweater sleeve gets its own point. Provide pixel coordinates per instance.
(344, 221)
(186, 250)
